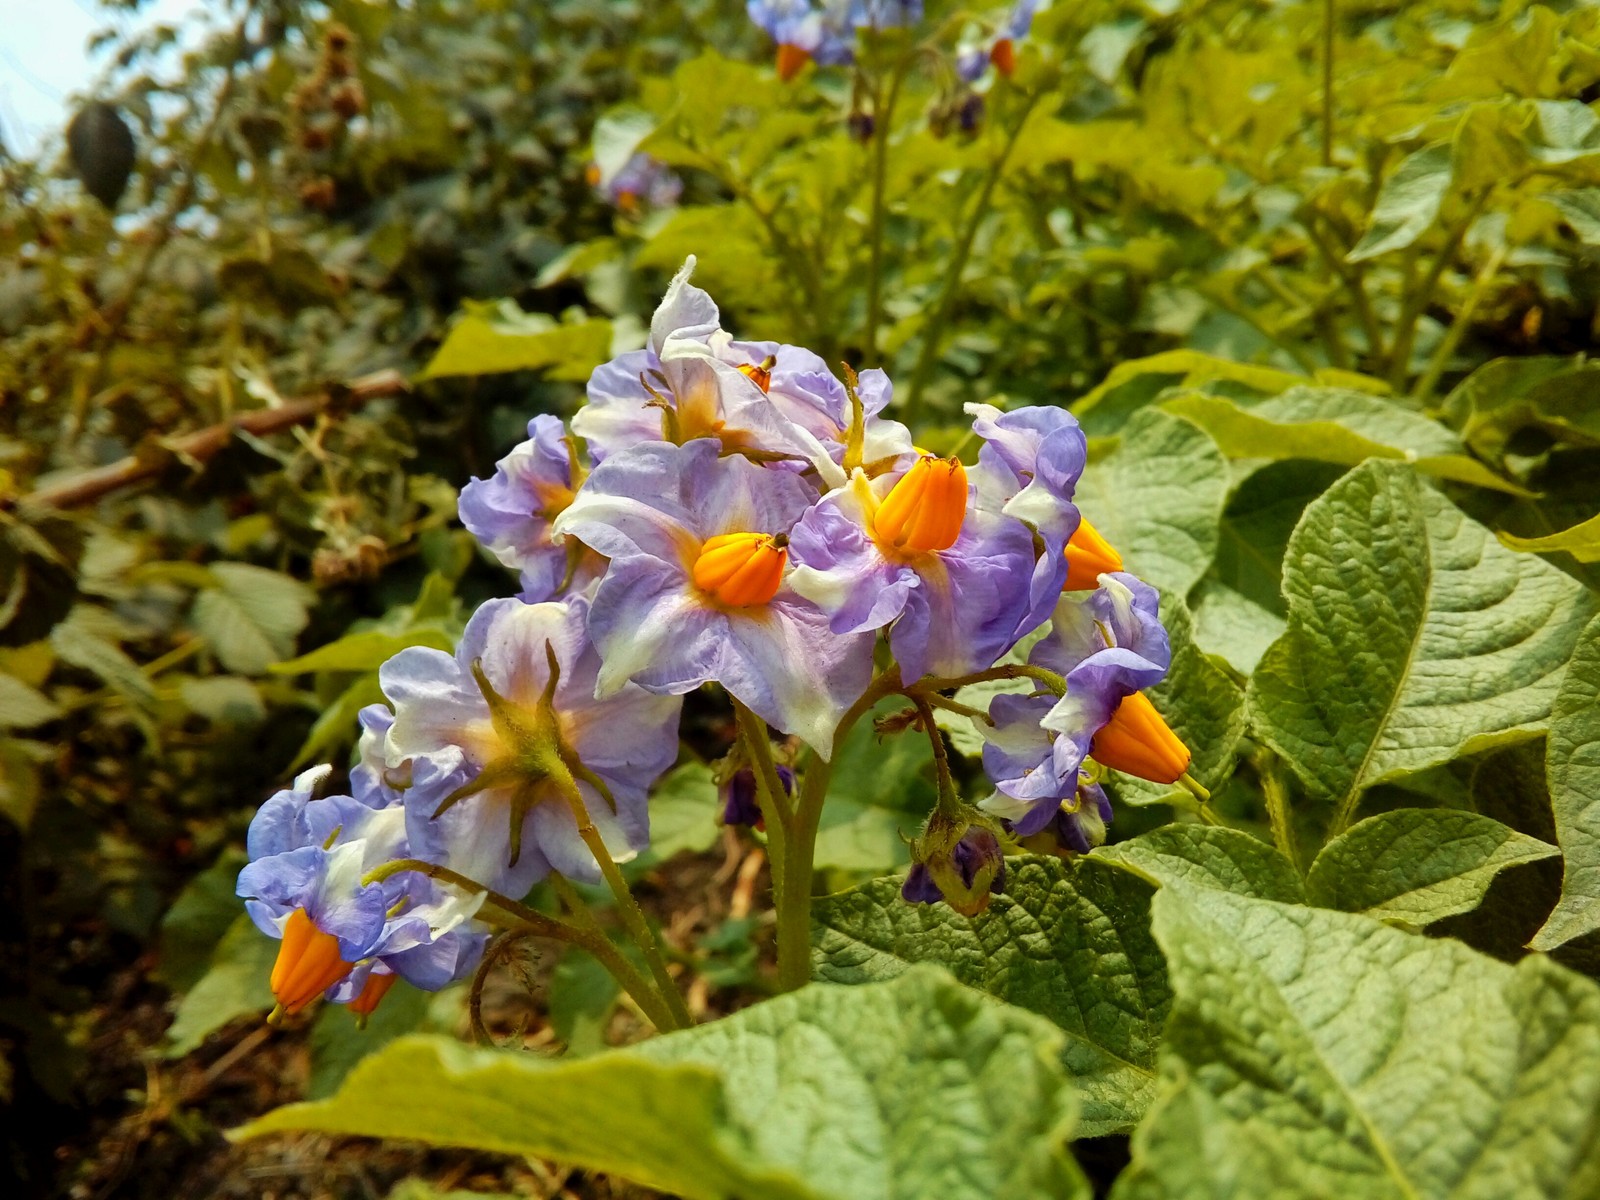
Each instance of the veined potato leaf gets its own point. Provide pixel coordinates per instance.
(234, 985)
(364, 651)
(1554, 395)
(494, 337)
(912, 1088)
(1582, 541)
(1414, 637)
(1408, 203)
(1158, 498)
(1315, 1054)
(1211, 856)
(23, 707)
(1231, 625)
(1068, 940)
(251, 616)
(1572, 766)
(1337, 426)
(1417, 864)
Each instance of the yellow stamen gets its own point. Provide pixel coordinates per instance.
(759, 373)
(372, 992)
(1137, 740)
(308, 963)
(1088, 556)
(925, 508)
(741, 570)
(790, 60)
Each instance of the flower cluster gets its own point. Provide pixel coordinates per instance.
(734, 514)
(824, 32)
(641, 181)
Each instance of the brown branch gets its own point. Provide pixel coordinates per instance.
(204, 444)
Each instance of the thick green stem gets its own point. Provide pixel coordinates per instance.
(794, 901)
(775, 811)
(1327, 82)
(949, 798)
(633, 918)
(1458, 327)
(933, 336)
(1418, 297)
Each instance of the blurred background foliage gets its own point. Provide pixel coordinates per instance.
(275, 297)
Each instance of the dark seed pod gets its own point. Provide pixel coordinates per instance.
(101, 146)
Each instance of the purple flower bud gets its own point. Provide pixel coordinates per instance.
(964, 876)
(740, 805)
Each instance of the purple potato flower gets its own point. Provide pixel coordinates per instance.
(825, 30)
(310, 855)
(694, 381)
(664, 621)
(1029, 469)
(512, 832)
(973, 57)
(510, 512)
(1107, 644)
(951, 611)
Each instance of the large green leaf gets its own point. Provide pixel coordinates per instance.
(1413, 637)
(1208, 856)
(1417, 864)
(235, 984)
(251, 616)
(1552, 395)
(1572, 766)
(1316, 1054)
(1157, 497)
(913, 1088)
(490, 338)
(1582, 541)
(1068, 940)
(1408, 203)
(1334, 425)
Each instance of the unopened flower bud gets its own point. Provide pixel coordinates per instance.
(964, 875)
(740, 802)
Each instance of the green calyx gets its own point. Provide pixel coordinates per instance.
(535, 754)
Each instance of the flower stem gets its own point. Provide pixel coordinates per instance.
(633, 918)
(1043, 675)
(794, 900)
(509, 914)
(949, 798)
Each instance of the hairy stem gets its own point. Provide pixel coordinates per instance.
(1458, 327)
(1276, 791)
(1419, 296)
(633, 918)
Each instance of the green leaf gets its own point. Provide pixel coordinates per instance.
(252, 617)
(909, 1089)
(1158, 499)
(1417, 865)
(1208, 856)
(1232, 626)
(1554, 396)
(1068, 940)
(1572, 766)
(1414, 637)
(1315, 1054)
(197, 921)
(864, 837)
(78, 641)
(1201, 703)
(234, 985)
(1336, 426)
(582, 996)
(23, 707)
(365, 651)
(1581, 209)
(338, 1043)
(1408, 203)
(499, 336)
(1582, 541)
(683, 814)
